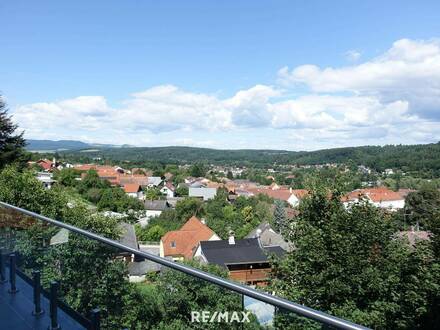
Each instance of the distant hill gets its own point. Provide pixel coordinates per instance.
(424, 157)
(63, 145)
(49, 145)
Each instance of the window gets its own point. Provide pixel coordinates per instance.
(173, 243)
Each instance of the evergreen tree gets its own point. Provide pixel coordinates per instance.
(11, 143)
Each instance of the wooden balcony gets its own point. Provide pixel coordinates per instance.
(250, 276)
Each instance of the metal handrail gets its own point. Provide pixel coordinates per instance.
(242, 289)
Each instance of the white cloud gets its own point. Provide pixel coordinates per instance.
(393, 98)
(352, 55)
(409, 72)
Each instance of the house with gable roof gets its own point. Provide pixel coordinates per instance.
(168, 189)
(181, 244)
(134, 190)
(379, 196)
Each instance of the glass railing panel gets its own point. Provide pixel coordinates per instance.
(130, 291)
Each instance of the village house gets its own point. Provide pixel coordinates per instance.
(269, 237)
(154, 209)
(134, 190)
(46, 178)
(45, 164)
(181, 244)
(168, 189)
(245, 259)
(380, 196)
(291, 196)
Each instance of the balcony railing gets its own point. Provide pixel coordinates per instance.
(50, 244)
(249, 275)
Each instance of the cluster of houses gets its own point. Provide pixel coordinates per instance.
(246, 260)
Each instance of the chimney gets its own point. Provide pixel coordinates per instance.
(202, 220)
(231, 239)
(258, 233)
(290, 189)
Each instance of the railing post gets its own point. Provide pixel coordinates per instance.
(54, 306)
(37, 293)
(96, 319)
(12, 273)
(2, 267)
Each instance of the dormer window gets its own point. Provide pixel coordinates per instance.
(173, 243)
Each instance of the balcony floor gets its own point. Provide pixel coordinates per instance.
(16, 310)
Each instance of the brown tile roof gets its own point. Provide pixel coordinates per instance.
(141, 180)
(84, 167)
(132, 188)
(376, 195)
(186, 239)
(45, 163)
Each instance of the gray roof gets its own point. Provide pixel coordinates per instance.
(128, 235)
(154, 180)
(156, 205)
(205, 193)
(269, 237)
(277, 250)
(244, 251)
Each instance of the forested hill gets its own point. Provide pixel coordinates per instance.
(407, 157)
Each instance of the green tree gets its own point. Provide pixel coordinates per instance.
(150, 233)
(92, 180)
(187, 208)
(152, 194)
(22, 189)
(351, 264)
(197, 170)
(182, 191)
(421, 207)
(180, 294)
(67, 177)
(11, 143)
(116, 200)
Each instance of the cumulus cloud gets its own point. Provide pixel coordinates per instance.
(409, 72)
(392, 98)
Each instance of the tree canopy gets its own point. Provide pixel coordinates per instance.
(11, 143)
(352, 264)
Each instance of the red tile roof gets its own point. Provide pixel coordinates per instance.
(132, 188)
(45, 164)
(376, 195)
(186, 239)
(85, 167)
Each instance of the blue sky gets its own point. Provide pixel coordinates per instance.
(224, 74)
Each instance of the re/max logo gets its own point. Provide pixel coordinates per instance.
(226, 317)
